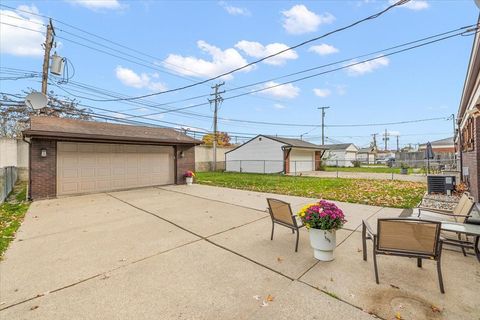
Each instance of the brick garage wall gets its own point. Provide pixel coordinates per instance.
(471, 160)
(43, 171)
(185, 163)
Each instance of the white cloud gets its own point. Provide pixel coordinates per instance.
(323, 93)
(299, 20)
(131, 79)
(368, 66)
(279, 106)
(415, 5)
(323, 49)
(234, 11)
(257, 50)
(18, 41)
(96, 5)
(222, 61)
(288, 91)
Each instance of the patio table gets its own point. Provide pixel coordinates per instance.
(466, 229)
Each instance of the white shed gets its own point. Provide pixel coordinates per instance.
(341, 155)
(367, 155)
(271, 154)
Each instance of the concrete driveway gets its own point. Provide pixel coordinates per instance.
(202, 252)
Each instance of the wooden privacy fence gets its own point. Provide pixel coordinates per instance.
(8, 178)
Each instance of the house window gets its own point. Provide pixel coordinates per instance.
(468, 134)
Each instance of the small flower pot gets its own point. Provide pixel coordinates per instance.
(189, 180)
(323, 243)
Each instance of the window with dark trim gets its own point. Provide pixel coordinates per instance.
(468, 136)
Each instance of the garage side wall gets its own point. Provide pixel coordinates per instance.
(43, 173)
(187, 162)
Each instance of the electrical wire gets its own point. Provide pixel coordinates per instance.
(371, 17)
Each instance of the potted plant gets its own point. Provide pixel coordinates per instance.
(404, 168)
(322, 219)
(189, 177)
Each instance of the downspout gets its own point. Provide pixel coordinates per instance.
(460, 149)
(29, 185)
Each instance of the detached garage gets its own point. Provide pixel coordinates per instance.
(70, 156)
(272, 154)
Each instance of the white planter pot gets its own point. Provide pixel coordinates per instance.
(189, 180)
(323, 243)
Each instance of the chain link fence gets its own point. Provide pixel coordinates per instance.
(8, 178)
(411, 170)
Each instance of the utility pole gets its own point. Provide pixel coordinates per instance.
(323, 123)
(385, 139)
(374, 145)
(46, 58)
(217, 100)
(454, 126)
(398, 145)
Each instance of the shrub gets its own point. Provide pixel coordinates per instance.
(356, 163)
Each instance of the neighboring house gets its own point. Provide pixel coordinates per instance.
(70, 156)
(468, 139)
(367, 155)
(271, 154)
(341, 155)
(446, 145)
(14, 152)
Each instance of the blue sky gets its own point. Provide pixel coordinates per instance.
(187, 41)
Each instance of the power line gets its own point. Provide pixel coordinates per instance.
(374, 16)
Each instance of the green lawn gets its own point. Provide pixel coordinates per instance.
(398, 194)
(12, 212)
(376, 169)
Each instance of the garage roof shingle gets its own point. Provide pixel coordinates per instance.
(54, 127)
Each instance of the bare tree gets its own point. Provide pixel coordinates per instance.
(14, 114)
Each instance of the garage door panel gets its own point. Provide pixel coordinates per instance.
(87, 167)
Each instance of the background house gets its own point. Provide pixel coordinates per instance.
(468, 120)
(340, 155)
(271, 154)
(367, 155)
(446, 145)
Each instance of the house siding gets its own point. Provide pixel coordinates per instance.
(471, 161)
(259, 155)
(43, 170)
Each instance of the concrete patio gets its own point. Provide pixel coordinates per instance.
(199, 252)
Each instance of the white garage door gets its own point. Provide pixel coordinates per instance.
(98, 167)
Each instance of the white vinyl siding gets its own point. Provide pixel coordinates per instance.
(97, 167)
(260, 155)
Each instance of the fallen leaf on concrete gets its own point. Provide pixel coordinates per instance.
(256, 298)
(105, 276)
(398, 316)
(269, 298)
(264, 303)
(435, 309)
(359, 250)
(279, 259)
(331, 279)
(3, 302)
(394, 286)
(34, 307)
(122, 260)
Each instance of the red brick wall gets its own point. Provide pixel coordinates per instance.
(286, 160)
(471, 160)
(185, 163)
(43, 171)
